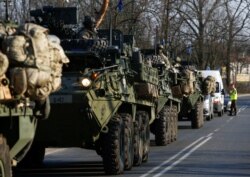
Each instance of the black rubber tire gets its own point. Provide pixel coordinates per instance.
(202, 119)
(194, 119)
(5, 161)
(163, 130)
(34, 157)
(146, 136)
(175, 123)
(196, 116)
(220, 113)
(171, 125)
(128, 141)
(138, 139)
(209, 117)
(113, 147)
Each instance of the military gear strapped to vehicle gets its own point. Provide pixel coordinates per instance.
(30, 70)
(188, 89)
(208, 86)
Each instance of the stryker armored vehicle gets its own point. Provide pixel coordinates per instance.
(188, 89)
(21, 105)
(165, 126)
(104, 103)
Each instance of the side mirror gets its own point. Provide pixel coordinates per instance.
(223, 92)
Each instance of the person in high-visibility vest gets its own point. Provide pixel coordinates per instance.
(233, 98)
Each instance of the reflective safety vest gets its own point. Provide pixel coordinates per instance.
(233, 94)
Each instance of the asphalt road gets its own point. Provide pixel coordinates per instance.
(221, 148)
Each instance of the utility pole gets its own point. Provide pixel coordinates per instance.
(7, 2)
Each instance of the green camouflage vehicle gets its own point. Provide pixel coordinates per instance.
(21, 105)
(189, 91)
(104, 103)
(103, 107)
(17, 130)
(165, 126)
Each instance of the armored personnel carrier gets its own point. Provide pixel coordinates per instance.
(188, 89)
(22, 102)
(165, 126)
(104, 103)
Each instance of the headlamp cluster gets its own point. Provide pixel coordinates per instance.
(87, 81)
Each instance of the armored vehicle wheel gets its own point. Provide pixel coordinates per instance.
(146, 136)
(128, 141)
(113, 147)
(34, 157)
(162, 125)
(175, 123)
(138, 139)
(196, 116)
(170, 125)
(202, 119)
(5, 162)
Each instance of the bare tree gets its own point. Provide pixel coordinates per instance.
(237, 17)
(211, 28)
(197, 14)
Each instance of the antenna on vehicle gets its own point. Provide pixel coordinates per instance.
(110, 24)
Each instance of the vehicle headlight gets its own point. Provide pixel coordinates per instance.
(86, 82)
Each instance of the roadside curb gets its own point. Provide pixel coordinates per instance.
(243, 94)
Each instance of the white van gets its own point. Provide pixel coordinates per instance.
(218, 100)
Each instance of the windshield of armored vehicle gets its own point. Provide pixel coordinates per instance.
(79, 62)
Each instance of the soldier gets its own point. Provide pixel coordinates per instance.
(89, 31)
(177, 62)
(163, 57)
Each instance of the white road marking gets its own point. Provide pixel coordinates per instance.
(203, 141)
(182, 158)
(210, 134)
(52, 151)
(242, 108)
(216, 130)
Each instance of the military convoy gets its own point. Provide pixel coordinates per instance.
(110, 99)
